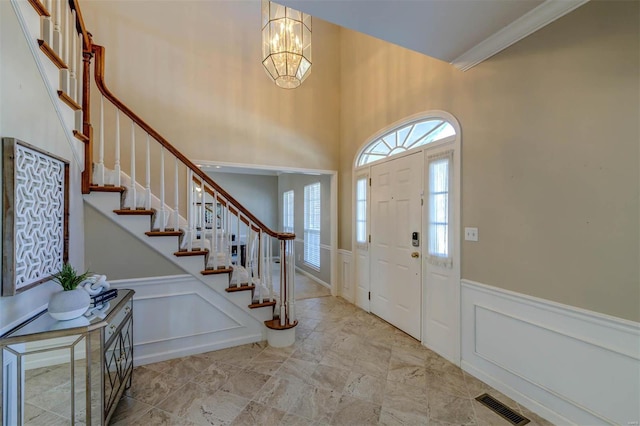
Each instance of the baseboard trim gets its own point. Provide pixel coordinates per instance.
(312, 277)
(160, 356)
(548, 356)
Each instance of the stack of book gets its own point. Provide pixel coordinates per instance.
(105, 296)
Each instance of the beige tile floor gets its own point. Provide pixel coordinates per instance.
(347, 367)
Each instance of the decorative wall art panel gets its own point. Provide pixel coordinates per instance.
(35, 209)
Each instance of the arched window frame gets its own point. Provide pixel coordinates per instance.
(400, 125)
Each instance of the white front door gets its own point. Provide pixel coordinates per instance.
(396, 290)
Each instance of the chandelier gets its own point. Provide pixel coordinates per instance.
(286, 44)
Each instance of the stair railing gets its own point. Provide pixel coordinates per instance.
(235, 240)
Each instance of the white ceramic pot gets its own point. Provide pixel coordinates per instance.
(67, 305)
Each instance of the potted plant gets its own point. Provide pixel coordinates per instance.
(72, 301)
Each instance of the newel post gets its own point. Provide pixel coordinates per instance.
(87, 129)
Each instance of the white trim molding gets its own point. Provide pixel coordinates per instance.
(527, 24)
(570, 365)
(176, 316)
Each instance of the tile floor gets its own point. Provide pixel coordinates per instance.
(347, 367)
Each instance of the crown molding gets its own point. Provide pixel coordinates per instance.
(527, 24)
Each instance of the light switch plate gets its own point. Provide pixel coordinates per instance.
(471, 234)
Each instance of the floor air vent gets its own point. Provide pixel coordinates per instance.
(502, 410)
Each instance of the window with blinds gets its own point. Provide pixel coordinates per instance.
(361, 210)
(287, 212)
(312, 225)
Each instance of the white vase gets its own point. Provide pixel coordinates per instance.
(67, 305)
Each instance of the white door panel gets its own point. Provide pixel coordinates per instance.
(395, 214)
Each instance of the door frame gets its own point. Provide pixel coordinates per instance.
(358, 251)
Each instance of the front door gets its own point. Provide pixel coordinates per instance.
(396, 197)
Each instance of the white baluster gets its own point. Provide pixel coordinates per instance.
(79, 72)
(238, 257)
(100, 165)
(73, 56)
(57, 33)
(163, 210)
(292, 283)
(227, 228)
(283, 263)
(116, 169)
(213, 256)
(132, 187)
(47, 23)
(261, 265)
(270, 267)
(190, 209)
(203, 212)
(64, 49)
(147, 181)
(176, 199)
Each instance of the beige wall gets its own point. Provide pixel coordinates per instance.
(114, 252)
(192, 70)
(550, 151)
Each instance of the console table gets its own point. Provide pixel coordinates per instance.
(68, 371)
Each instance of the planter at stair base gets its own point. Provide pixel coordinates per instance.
(67, 305)
(279, 336)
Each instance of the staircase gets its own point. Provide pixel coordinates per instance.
(137, 178)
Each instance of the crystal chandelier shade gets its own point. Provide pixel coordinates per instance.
(286, 44)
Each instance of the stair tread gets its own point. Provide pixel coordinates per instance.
(263, 304)
(107, 188)
(64, 97)
(274, 324)
(194, 252)
(156, 233)
(40, 8)
(80, 136)
(217, 271)
(140, 212)
(51, 54)
(243, 287)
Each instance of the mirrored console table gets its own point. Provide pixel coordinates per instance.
(68, 372)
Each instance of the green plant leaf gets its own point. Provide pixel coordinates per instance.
(68, 277)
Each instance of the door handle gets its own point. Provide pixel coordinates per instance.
(415, 254)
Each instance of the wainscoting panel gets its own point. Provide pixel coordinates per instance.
(362, 279)
(346, 287)
(567, 364)
(178, 316)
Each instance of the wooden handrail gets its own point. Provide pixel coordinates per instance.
(98, 51)
(80, 27)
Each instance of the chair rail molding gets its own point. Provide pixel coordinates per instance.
(551, 357)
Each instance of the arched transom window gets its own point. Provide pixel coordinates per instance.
(407, 137)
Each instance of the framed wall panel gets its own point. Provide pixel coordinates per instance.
(35, 215)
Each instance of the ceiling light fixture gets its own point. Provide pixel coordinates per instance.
(286, 44)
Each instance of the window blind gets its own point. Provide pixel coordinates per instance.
(312, 217)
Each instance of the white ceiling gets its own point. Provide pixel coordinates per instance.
(461, 32)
